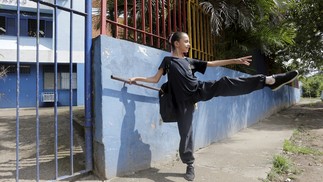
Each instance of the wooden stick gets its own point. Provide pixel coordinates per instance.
(138, 84)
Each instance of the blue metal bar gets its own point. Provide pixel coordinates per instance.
(71, 92)
(37, 92)
(88, 86)
(17, 90)
(55, 90)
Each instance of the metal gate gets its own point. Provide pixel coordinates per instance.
(42, 156)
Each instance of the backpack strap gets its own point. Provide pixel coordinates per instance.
(168, 64)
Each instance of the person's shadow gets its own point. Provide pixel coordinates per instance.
(134, 154)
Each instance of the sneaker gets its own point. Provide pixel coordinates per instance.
(282, 79)
(190, 174)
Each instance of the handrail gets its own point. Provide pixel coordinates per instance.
(138, 84)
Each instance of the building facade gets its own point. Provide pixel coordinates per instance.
(53, 56)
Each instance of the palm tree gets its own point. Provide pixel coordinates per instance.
(227, 13)
(249, 25)
(262, 17)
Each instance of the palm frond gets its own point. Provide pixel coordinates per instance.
(225, 14)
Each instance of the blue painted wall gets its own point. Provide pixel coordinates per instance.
(28, 89)
(128, 132)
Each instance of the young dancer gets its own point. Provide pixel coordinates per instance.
(188, 90)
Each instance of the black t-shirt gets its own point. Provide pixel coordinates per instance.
(181, 75)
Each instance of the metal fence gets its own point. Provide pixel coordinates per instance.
(150, 22)
(87, 37)
(202, 40)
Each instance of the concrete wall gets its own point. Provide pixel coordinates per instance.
(128, 132)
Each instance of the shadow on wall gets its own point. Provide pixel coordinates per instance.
(133, 153)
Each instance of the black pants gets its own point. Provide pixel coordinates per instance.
(207, 90)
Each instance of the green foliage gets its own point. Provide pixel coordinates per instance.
(227, 13)
(281, 164)
(312, 86)
(267, 29)
(273, 38)
(306, 54)
(291, 147)
(271, 31)
(288, 32)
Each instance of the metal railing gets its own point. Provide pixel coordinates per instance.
(199, 31)
(147, 22)
(88, 86)
(150, 22)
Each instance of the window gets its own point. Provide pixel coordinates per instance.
(63, 80)
(49, 79)
(32, 28)
(28, 24)
(11, 26)
(12, 68)
(2, 25)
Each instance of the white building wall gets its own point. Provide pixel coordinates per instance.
(25, 5)
(8, 44)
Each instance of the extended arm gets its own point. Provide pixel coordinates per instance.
(153, 79)
(243, 60)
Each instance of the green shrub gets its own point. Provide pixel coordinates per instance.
(312, 86)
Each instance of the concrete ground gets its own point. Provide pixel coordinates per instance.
(245, 157)
(27, 144)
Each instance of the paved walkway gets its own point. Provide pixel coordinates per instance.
(27, 144)
(245, 157)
